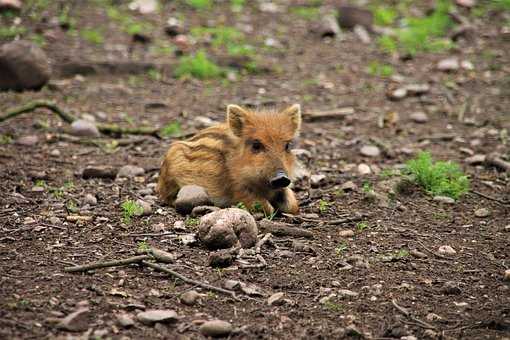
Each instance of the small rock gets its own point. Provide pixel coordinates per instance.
(90, 199)
(467, 65)
(418, 254)
(144, 6)
(152, 316)
(482, 212)
(362, 34)
(203, 122)
(220, 259)
(37, 188)
(224, 228)
(475, 160)
(433, 317)
(84, 128)
(88, 117)
(419, 117)
(446, 250)
(327, 27)
(125, 320)
(269, 7)
(190, 297)
(99, 172)
(417, 89)
(27, 140)
(203, 210)
(444, 199)
(317, 180)
(189, 197)
(448, 65)
(130, 171)
(370, 151)
(352, 16)
(466, 3)
(349, 186)
(23, 66)
(55, 153)
(275, 299)
(450, 288)
(216, 328)
(146, 208)
(364, 169)
(10, 5)
(507, 228)
(300, 247)
(179, 226)
(397, 94)
(346, 233)
(77, 321)
(430, 334)
(188, 239)
(174, 27)
(347, 293)
(506, 275)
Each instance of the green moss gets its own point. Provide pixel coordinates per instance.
(198, 66)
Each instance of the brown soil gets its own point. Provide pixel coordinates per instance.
(322, 75)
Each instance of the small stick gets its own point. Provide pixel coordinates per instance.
(346, 220)
(191, 281)
(115, 263)
(495, 160)
(261, 242)
(490, 198)
(406, 313)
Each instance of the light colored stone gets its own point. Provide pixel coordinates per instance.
(189, 197)
(125, 320)
(370, 151)
(30, 140)
(317, 180)
(444, 199)
(346, 233)
(84, 128)
(448, 65)
(157, 315)
(146, 208)
(467, 65)
(77, 321)
(190, 297)
(364, 169)
(398, 93)
(417, 89)
(482, 212)
(347, 293)
(144, 6)
(446, 250)
(90, 199)
(506, 275)
(216, 328)
(130, 171)
(475, 159)
(276, 299)
(419, 117)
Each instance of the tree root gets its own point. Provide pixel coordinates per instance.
(69, 118)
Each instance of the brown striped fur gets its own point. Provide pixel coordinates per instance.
(224, 160)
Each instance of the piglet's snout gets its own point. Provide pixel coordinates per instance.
(280, 180)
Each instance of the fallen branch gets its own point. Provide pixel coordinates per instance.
(490, 198)
(190, 281)
(346, 220)
(407, 314)
(261, 242)
(282, 229)
(116, 263)
(69, 118)
(329, 114)
(495, 160)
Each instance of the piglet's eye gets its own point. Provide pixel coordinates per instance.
(257, 146)
(288, 146)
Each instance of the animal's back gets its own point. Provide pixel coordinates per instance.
(201, 160)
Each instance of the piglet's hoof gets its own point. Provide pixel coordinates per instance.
(225, 228)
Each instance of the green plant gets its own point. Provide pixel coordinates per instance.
(154, 74)
(501, 4)
(41, 183)
(38, 39)
(65, 20)
(143, 247)
(237, 5)
(171, 129)
(341, 248)
(306, 12)
(93, 36)
(367, 187)
(380, 70)
(333, 306)
(11, 32)
(388, 173)
(241, 205)
(199, 4)
(402, 253)
(438, 178)
(360, 226)
(71, 206)
(323, 206)
(387, 44)
(198, 66)
(129, 209)
(191, 222)
(5, 139)
(384, 16)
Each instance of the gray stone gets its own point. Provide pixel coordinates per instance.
(90, 199)
(146, 208)
(77, 321)
(190, 297)
(27, 140)
(482, 212)
(448, 65)
(189, 197)
(125, 320)
(397, 94)
(224, 228)
(275, 299)
(317, 180)
(446, 250)
(346, 233)
(417, 89)
(157, 315)
(419, 117)
(130, 171)
(370, 151)
(55, 153)
(349, 186)
(444, 199)
(475, 159)
(364, 169)
(216, 328)
(84, 128)
(23, 66)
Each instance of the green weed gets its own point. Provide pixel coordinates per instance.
(323, 206)
(341, 248)
(71, 206)
(360, 226)
(241, 205)
(402, 253)
(191, 222)
(333, 306)
(11, 32)
(387, 44)
(129, 209)
(367, 187)
(380, 70)
(198, 66)
(501, 4)
(143, 247)
(154, 74)
(438, 178)
(93, 36)
(41, 183)
(384, 16)
(200, 4)
(306, 12)
(237, 5)
(5, 139)
(171, 129)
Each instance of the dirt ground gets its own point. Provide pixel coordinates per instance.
(393, 249)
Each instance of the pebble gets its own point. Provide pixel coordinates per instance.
(190, 297)
(506, 275)
(90, 199)
(125, 320)
(417, 89)
(157, 315)
(467, 65)
(144, 6)
(130, 171)
(419, 117)
(84, 128)
(444, 199)
(347, 293)
(77, 321)
(446, 250)
(55, 153)
(317, 180)
(179, 226)
(448, 65)
(476, 159)
(146, 208)
(346, 233)
(203, 122)
(216, 328)
(417, 253)
(30, 140)
(225, 227)
(349, 186)
(507, 228)
(370, 151)
(275, 299)
(189, 197)
(37, 188)
(397, 94)
(364, 169)
(482, 212)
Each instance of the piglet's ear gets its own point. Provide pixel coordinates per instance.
(236, 118)
(294, 113)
